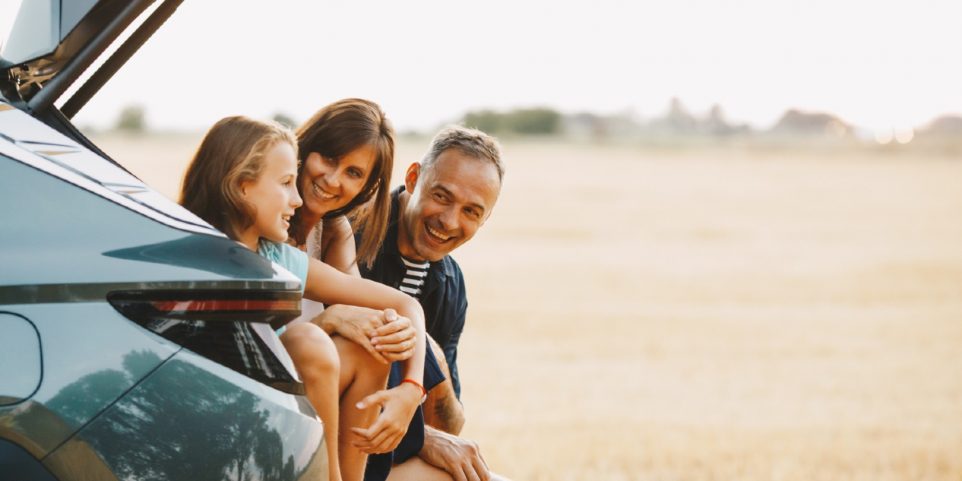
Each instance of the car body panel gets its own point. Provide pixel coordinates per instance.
(243, 430)
(55, 152)
(46, 244)
(87, 366)
(21, 366)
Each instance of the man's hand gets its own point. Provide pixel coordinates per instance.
(459, 457)
(398, 405)
(393, 334)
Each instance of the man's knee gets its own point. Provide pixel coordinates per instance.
(416, 469)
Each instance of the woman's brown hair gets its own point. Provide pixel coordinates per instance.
(231, 153)
(335, 131)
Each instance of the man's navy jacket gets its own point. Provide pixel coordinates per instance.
(443, 296)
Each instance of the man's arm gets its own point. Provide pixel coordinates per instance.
(459, 457)
(442, 410)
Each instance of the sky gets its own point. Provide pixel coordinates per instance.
(878, 64)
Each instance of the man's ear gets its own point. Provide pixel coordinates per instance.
(411, 177)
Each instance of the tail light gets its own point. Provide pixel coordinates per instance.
(230, 327)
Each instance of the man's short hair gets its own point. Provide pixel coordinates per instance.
(470, 142)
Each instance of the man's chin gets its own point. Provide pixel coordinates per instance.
(431, 254)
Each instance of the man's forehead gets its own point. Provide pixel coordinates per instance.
(464, 174)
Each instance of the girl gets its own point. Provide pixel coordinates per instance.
(242, 181)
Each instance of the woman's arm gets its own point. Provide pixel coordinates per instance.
(331, 286)
(337, 245)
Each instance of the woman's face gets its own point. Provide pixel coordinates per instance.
(329, 184)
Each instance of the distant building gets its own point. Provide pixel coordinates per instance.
(946, 126)
(795, 123)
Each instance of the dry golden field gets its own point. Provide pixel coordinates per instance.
(732, 315)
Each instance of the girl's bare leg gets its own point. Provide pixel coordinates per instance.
(316, 360)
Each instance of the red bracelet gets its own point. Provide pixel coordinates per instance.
(424, 392)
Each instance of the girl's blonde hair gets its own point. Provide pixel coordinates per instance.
(231, 153)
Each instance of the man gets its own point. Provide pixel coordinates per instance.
(445, 199)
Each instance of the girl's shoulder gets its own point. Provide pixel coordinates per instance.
(285, 255)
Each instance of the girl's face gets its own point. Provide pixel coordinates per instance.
(273, 194)
(329, 184)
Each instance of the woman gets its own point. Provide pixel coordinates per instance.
(346, 151)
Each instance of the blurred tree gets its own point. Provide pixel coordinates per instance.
(537, 121)
(533, 121)
(285, 120)
(132, 118)
(485, 120)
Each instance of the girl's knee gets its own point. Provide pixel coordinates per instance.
(312, 351)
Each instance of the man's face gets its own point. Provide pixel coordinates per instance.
(447, 204)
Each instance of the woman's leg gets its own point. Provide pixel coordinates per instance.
(316, 360)
(360, 376)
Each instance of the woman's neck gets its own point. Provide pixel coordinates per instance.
(309, 222)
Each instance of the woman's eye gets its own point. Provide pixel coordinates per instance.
(355, 173)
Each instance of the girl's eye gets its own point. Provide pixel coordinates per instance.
(330, 160)
(355, 173)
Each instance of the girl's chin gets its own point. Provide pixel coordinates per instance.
(278, 238)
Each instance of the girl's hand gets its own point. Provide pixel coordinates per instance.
(398, 405)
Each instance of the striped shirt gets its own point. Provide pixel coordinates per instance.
(414, 277)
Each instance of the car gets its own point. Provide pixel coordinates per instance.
(137, 342)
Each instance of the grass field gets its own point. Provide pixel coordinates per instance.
(670, 315)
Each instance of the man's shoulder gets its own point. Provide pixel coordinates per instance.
(450, 268)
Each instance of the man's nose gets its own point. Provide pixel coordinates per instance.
(449, 218)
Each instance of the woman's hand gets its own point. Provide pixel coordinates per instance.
(385, 335)
(398, 406)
